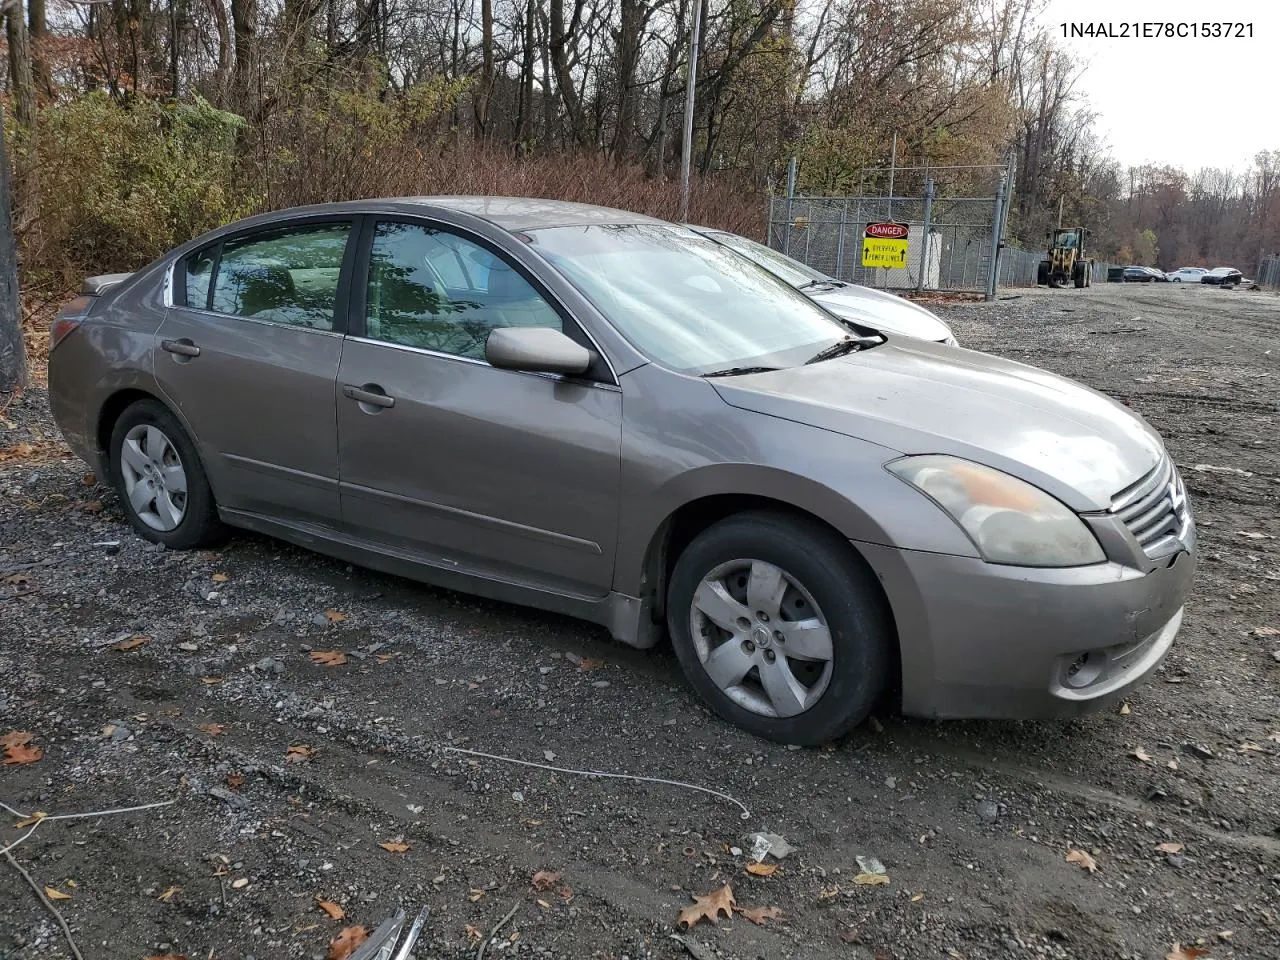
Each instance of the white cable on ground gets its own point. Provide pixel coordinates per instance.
(746, 814)
(76, 816)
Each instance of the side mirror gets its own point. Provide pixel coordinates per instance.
(535, 349)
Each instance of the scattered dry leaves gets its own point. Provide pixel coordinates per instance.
(1124, 710)
(474, 933)
(334, 911)
(219, 578)
(209, 681)
(132, 643)
(169, 894)
(334, 616)
(345, 943)
(586, 663)
(708, 907)
(872, 879)
(1170, 847)
(53, 893)
(385, 657)
(395, 846)
(17, 738)
(762, 869)
(213, 729)
(1179, 952)
(758, 915)
(1247, 747)
(545, 880)
(235, 780)
(299, 753)
(1083, 860)
(1266, 632)
(1139, 754)
(328, 658)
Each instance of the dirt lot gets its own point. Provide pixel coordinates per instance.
(972, 821)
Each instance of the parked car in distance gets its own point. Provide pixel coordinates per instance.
(1223, 276)
(862, 305)
(1138, 275)
(1187, 274)
(613, 417)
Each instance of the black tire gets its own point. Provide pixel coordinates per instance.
(199, 526)
(1078, 276)
(1042, 273)
(843, 588)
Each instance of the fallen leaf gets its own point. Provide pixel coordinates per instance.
(88, 479)
(20, 738)
(1179, 952)
(31, 820)
(334, 616)
(18, 756)
(395, 846)
(1247, 747)
(91, 506)
(1082, 859)
(544, 905)
(872, 879)
(708, 907)
(473, 933)
(132, 643)
(1266, 632)
(829, 894)
(54, 894)
(762, 869)
(1139, 754)
(239, 883)
(1170, 847)
(1124, 710)
(345, 943)
(586, 663)
(235, 780)
(219, 578)
(72, 884)
(475, 895)
(384, 657)
(917, 898)
(758, 915)
(328, 658)
(332, 909)
(1172, 764)
(169, 894)
(545, 880)
(209, 681)
(299, 753)
(213, 729)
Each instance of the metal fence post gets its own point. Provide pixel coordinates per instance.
(791, 196)
(844, 222)
(928, 221)
(997, 231)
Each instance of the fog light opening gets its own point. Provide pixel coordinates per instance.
(1084, 669)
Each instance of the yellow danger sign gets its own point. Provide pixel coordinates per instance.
(885, 245)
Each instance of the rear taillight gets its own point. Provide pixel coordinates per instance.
(68, 319)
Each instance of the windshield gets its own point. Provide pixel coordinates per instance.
(685, 301)
(779, 264)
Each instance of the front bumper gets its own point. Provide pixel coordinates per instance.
(983, 640)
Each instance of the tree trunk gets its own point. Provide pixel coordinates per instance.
(485, 93)
(38, 31)
(13, 353)
(523, 114)
(21, 84)
(175, 45)
(560, 64)
(244, 19)
(219, 11)
(632, 23)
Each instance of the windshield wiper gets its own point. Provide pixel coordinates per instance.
(840, 348)
(739, 371)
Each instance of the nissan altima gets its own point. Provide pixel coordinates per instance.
(611, 416)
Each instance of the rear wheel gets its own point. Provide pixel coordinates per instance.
(160, 480)
(780, 627)
(1078, 276)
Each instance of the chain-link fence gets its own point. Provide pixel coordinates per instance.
(1269, 273)
(955, 217)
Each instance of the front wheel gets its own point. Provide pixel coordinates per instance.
(160, 480)
(780, 627)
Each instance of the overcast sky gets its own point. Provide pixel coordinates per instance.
(1186, 102)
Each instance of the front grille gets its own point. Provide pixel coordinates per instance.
(1155, 510)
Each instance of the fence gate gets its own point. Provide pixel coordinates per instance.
(955, 217)
(1269, 272)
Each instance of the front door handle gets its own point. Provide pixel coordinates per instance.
(181, 348)
(370, 394)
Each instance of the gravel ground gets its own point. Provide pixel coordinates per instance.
(973, 822)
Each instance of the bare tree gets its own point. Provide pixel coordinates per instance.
(13, 354)
(21, 82)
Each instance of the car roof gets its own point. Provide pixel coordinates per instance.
(530, 213)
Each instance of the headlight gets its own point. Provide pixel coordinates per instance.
(951, 341)
(1009, 521)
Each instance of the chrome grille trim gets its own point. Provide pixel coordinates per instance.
(1154, 510)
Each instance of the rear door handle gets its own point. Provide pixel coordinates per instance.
(182, 348)
(370, 393)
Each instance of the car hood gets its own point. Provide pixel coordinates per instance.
(882, 311)
(916, 397)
